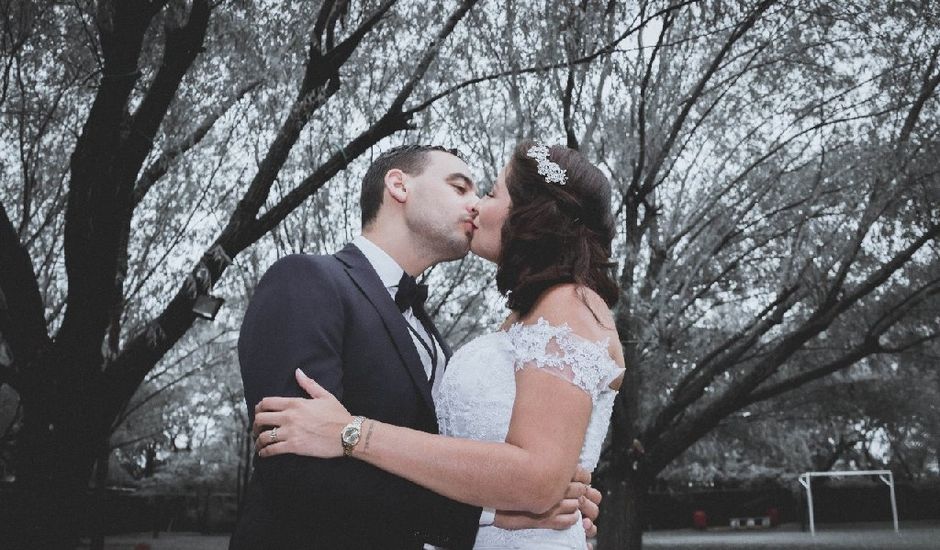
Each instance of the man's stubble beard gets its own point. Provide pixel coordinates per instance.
(437, 240)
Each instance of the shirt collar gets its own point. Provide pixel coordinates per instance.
(387, 268)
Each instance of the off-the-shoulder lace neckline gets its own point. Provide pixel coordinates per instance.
(603, 344)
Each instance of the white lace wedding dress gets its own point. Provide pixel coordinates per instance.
(478, 388)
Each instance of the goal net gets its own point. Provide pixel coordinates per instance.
(806, 480)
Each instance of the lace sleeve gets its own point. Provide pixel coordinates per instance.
(561, 352)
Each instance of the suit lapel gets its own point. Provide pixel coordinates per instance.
(367, 280)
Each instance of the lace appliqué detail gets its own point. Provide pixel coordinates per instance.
(558, 349)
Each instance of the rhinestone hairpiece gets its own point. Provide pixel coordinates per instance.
(550, 170)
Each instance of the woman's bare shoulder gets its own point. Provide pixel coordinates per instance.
(582, 309)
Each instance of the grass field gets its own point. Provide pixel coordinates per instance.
(867, 536)
(912, 536)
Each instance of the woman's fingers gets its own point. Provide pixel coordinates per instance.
(310, 386)
(267, 438)
(266, 420)
(279, 448)
(313, 425)
(274, 404)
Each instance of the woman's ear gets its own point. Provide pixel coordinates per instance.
(395, 184)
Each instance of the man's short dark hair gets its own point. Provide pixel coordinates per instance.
(410, 159)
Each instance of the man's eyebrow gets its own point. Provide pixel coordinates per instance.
(462, 177)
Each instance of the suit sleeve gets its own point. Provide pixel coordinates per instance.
(296, 319)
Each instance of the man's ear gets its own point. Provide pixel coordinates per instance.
(395, 184)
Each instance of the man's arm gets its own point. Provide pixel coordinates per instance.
(296, 320)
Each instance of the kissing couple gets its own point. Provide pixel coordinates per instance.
(370, 433)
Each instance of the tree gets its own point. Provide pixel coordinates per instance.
(129, 89)
(775, 184)
(878, 414)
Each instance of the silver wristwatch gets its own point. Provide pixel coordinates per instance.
(351, 435)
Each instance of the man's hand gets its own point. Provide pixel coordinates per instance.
(561, 516)
(590, 500)
(579, 496)
(588, 503)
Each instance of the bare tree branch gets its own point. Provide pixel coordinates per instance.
(318, 86)
(392, 121)
(143, 350)
(159, 167)
(693, 97)
(95, 208)
(609, 48)
(641, 108)
(927, 90)
(868, 346)
(680, 437)
(181, 47)
(722, 357)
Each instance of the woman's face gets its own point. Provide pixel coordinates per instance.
(492, 211)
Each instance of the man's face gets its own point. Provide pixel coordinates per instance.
(440, 206)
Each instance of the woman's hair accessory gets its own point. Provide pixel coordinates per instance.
(550, 170)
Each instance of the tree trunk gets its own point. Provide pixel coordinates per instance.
(99, 508)
(51, 489)
(55, 457)
(620, 526)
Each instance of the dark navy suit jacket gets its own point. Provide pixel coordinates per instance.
(332, 317)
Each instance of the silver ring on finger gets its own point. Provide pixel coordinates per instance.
(274, 435)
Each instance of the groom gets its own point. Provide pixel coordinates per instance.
(355, 322)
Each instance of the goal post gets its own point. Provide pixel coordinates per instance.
(884, 475)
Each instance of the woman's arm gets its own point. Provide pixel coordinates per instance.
(529, 472)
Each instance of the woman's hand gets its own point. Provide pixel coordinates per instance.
(308, 427)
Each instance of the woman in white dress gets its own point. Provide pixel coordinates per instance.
(521, 408)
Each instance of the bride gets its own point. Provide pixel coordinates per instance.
(522, 407)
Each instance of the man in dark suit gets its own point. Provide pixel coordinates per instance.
(354, 321)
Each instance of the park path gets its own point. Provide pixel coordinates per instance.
(867, 536)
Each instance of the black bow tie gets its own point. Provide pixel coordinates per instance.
(410, 294)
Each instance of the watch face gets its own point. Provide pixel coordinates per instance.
(351, 435)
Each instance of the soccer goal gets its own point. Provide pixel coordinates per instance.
(884, 475)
